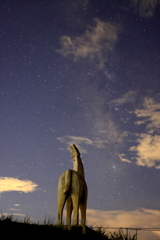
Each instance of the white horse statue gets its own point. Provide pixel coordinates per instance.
(72, 190)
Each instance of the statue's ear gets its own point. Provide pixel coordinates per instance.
(74, 151)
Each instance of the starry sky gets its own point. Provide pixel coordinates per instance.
(83, 72)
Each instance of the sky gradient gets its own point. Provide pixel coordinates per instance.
(81, 72)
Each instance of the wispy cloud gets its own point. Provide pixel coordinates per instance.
(123, 159)
(15, 209)
(93, 43)
(128, 97)
(13, 184)
(145, 8)
(147, 151)
(78, 141)
(15, 214)
(150, 114)
(111, 132)
(139, 218)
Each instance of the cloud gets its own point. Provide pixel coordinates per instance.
(111, 134)
(150, 114)
(13, 184)
(14, 214)
(145, 8)
(51, 129)
(128, 97)
(147, 151)
(121, 156)
(15, 209)
(140, 122)
(139, 218)
(92, 44)
(81, 140)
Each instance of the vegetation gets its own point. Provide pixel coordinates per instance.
(11, 227)
(119, 235)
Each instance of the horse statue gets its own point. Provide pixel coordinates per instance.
(72, 190)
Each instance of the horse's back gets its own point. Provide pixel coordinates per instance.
(61, 181)
(77, 184)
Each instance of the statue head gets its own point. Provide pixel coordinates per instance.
(74, 151)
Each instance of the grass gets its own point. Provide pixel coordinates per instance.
(100, 231)
(12, 227)
(49, 221)
(119, 235)
(8, 218)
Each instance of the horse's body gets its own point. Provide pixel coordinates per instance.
(72, 190)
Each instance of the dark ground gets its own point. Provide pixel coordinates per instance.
(10, 229)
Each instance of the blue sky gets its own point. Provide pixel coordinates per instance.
(84, 73)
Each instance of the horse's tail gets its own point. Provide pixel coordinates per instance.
(68, 180)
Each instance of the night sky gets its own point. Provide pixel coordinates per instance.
(83, 72)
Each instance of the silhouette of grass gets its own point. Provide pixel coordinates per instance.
(12, 227)
(8, 218)
(119, 235)
(100, 231)
(49, 221)
(27, 220)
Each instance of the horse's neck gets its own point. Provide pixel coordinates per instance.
(78, 166)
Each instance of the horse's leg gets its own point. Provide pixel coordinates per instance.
(83, 206)
(83, 213)
(69, 208)
(61, 202)
(75, 201)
